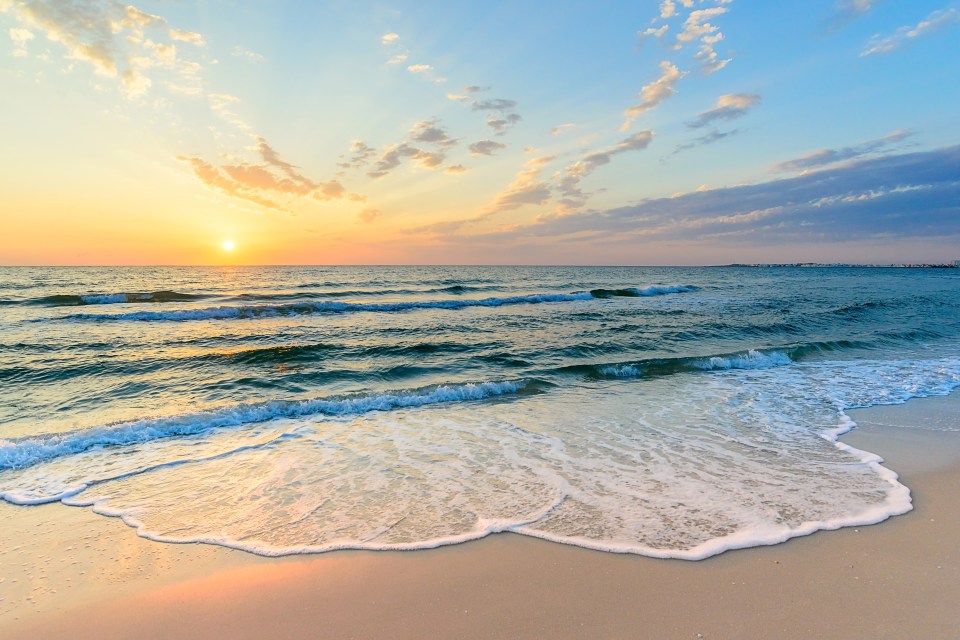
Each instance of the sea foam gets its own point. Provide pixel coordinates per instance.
(25, 452)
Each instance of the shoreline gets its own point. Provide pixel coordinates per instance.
(68, 572)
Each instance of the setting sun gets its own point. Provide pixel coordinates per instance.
(228, 245)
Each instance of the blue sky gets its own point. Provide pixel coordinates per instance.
(516, 132)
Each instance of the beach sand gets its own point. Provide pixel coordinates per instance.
(69, 573)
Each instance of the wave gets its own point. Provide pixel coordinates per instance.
(302, 308)
(70, 300)
(750, 359)
(640, 293)
(354, 293)
(26, 452)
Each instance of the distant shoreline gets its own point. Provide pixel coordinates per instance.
(844, 265)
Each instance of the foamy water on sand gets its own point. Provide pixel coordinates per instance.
(665, 412)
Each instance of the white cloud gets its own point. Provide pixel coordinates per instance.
(187, 36)
(117, 41)
(20, 38)
(654, 93)
(389, 38)
(249, 56)
(729, 107)
(904, 35)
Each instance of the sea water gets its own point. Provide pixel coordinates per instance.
(670, 412)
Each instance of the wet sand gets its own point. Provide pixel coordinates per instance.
(68, 573)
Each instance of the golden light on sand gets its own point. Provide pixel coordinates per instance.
(228, 245)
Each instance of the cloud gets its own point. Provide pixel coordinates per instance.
(221, 105)
(498, 104)
(905, 35)
(563, 128)
(430, 132)
(117, 41)
(455, 169)
(907, 195)
(215, 179)
(396, 153)
(20, 38)
(261, 182)
(486, 147)
(504, 117)
(569, 184)
(525, 189)
(708, 138)
(824, 157)
(397, 59)
(697, 26)
(360, 154)
(501, 125)
(389, 38)
(424, 70)
(654, 93)
(848, 10)
(369, 215)
(729, 107)
(249, 56)
(652, 32)
(187, 36)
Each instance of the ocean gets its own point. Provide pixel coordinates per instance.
(668, 412)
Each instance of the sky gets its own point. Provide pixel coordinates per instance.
(352, 132)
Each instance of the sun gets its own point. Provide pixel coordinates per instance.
(228, 245)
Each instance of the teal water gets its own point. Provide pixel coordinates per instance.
(673, 412)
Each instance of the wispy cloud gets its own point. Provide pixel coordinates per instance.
(369, 215)
(908, 195)
(823, 157)
(486, 147)
(394, 155)
(117, 41)
(705, 139)
(20, 38)
(563, 128)
(526, 189)
(651, 95)
(244, 54)
(729, 107)
(264, 181)
(504, 117)
(569, 183)
(905, 35)
(187, 36)
(431, 132)
(652, 32)
(694, 27)
(360, 154)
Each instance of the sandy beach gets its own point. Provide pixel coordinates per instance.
(69, 573)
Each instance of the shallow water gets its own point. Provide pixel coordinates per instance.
(672, 412)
